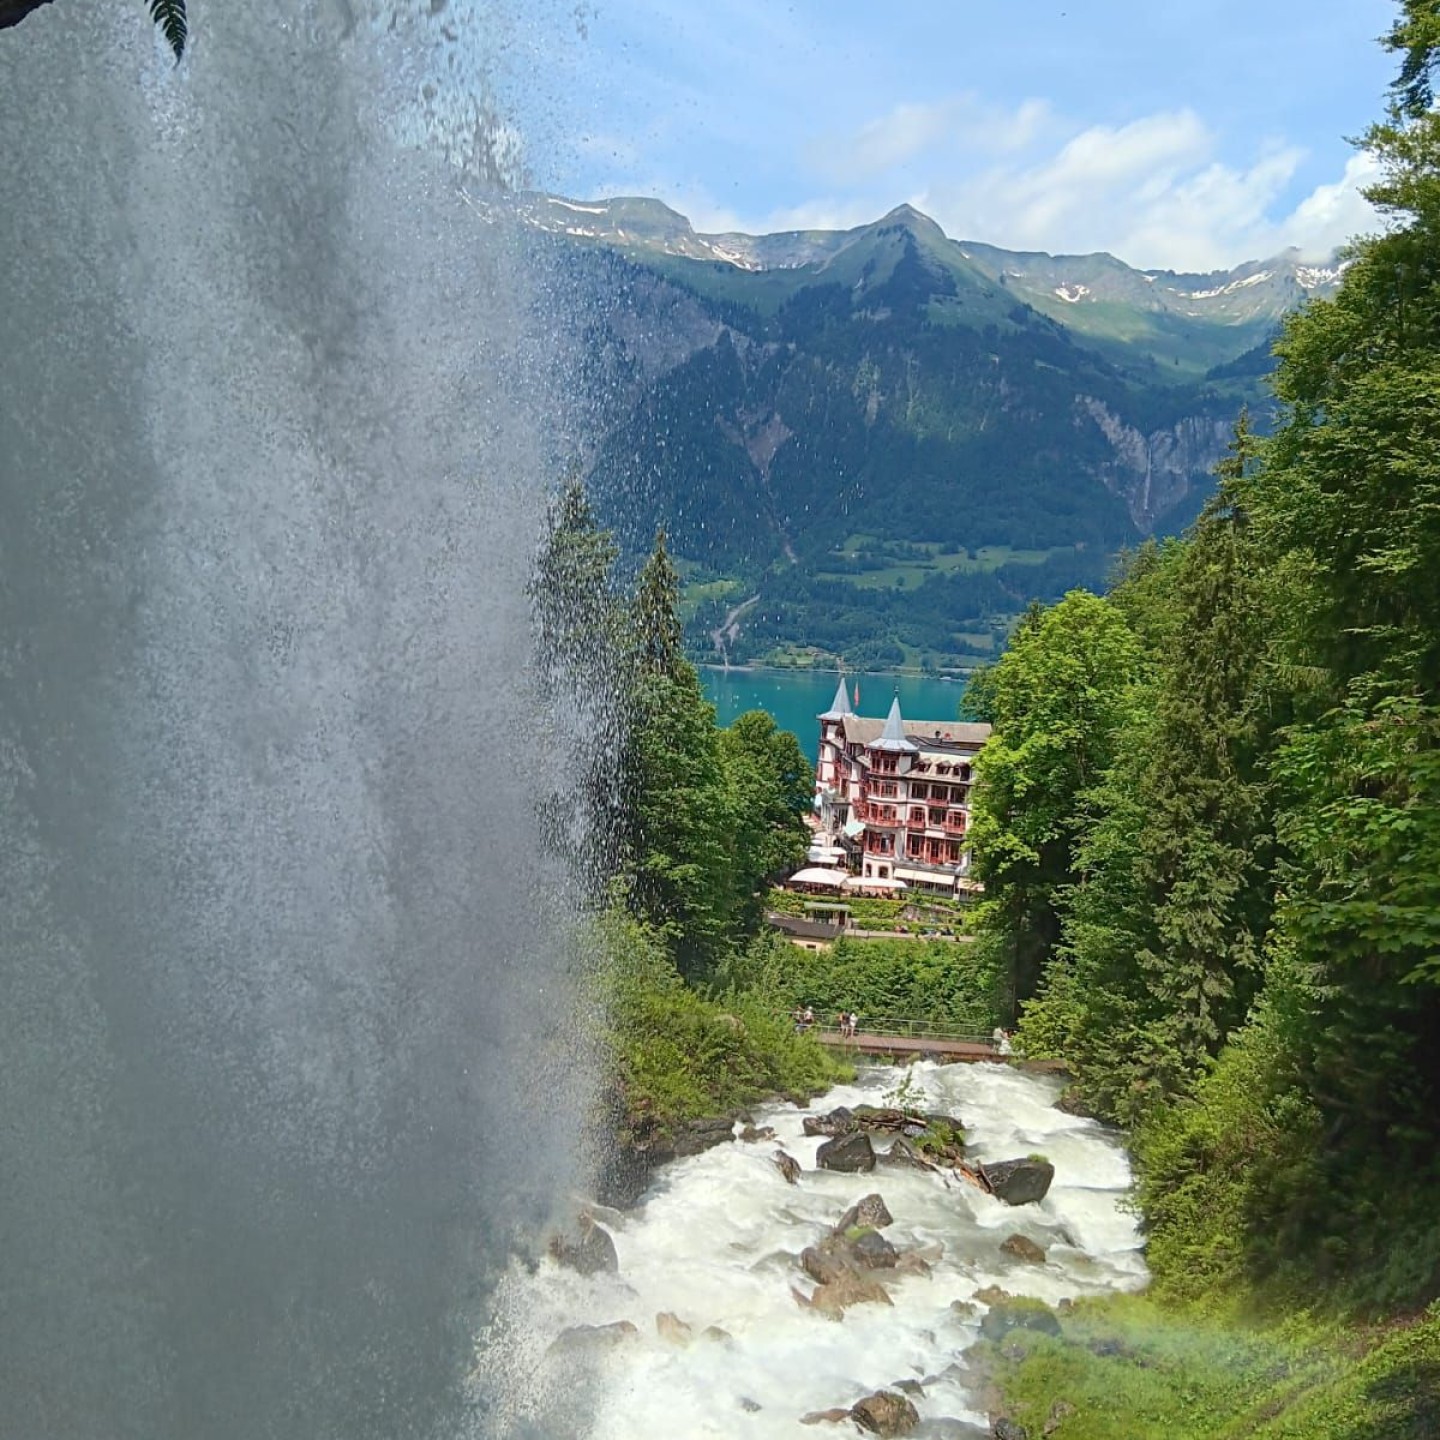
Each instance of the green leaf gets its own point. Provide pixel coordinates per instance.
(169, 15)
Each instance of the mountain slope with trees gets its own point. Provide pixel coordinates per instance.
(892, 439)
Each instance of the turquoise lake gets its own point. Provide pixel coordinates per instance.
(796, 697)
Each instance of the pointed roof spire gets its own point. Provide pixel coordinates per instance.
(840, 705)
(893, 736)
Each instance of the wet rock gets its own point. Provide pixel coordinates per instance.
(963, 1308)
(992, 1295)
(1006, 1429)
(839, 1121)
(1071, 1103)
(836, 1296)
(850, 1153)
(953, 1123)
(640, 1145)
(886, 1413)
(825, 1262)
(911, 1262)
(594, 1337)
(908, 1387)
(870, 1211)
(1060, 1411)
(902, 1152)
(716, 1336)
(672, 1329)
(834, 1416)
(788, 1166)
(1019, 1182)
(750, 1406)
(1018, 1314)
(873, 1251)
(1023, 1248)
(586, 1249)
(750, 1135)
(696, 1136)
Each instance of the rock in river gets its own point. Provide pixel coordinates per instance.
(851, 1153)
(1024, 1248)
(885, 1413)
(870, 1211)
(840, 1121)
(587, 1249)
(1019, 1182)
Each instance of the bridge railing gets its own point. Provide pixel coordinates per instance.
(905, 1028)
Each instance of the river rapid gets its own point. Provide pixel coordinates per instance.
(716, 1240)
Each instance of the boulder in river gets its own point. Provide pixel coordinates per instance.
(840, 1121)
(903, 1152)
(851, 1153)
(836, 1415)
(826, 1262)
(1023, 1248)
(848, 1288)
(788, 1166)
(1019, 1313)
(1019, 1182)
(885, 1413)
(1006, 1429)
(874, 1251)
(752, 1135)
(911, 1262)
(695, 1136)
(587, 1249)
(594, 1337)
(869, 1211)
(672, 1329)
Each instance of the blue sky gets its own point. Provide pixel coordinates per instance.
(1181, 133)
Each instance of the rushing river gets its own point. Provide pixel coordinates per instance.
(715, 1242)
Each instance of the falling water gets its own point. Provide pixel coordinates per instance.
(283, 1063)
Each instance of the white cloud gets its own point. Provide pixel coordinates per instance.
(1154, 191)
(913, 130)
(1338, 210)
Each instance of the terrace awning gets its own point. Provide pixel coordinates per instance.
(926, 877)
(873, 882)
(818, 875)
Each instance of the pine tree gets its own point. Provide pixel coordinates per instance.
(678, 807)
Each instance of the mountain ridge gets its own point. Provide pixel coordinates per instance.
(893, 439)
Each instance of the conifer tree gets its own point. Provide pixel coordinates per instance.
(678, 806)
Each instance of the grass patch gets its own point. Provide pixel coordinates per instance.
(1133, 1368)
(680, 1055)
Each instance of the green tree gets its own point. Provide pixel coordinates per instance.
(771, 784)
(1163, 934)
(580, 627)
(678, 807)
(1057, 700)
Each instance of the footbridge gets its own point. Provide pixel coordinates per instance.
(889, 1038)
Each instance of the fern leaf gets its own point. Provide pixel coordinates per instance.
(169, 15)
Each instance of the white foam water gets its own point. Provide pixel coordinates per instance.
(716, 1241)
